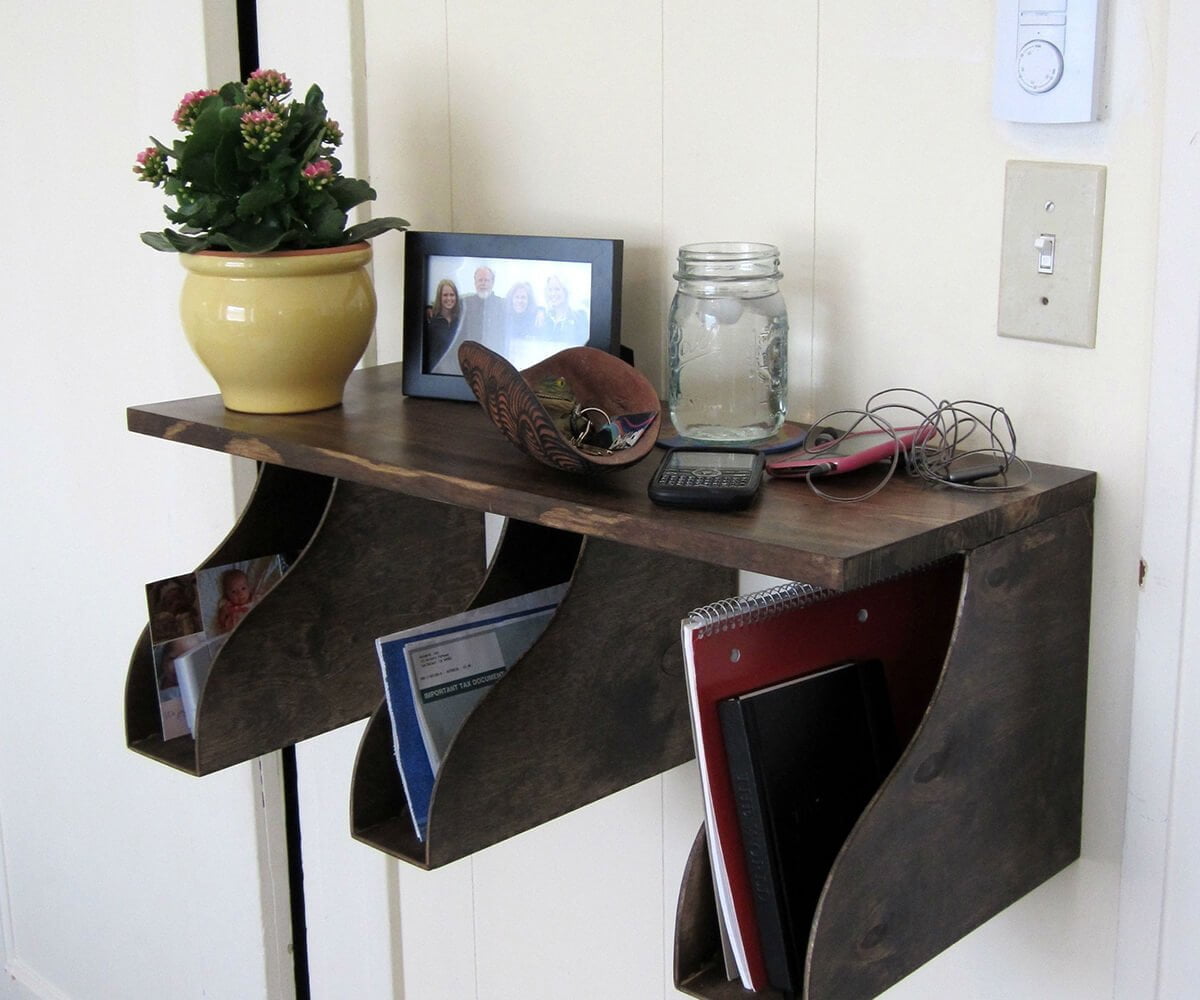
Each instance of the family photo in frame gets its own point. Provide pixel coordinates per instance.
(524, 297)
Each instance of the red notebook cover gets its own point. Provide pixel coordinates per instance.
(737, 645)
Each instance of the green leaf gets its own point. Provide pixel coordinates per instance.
(311, 147)
(250, 239)
(327, 223)
(374, 227)
(349, 191)
(228, 175)
(314, 101)
(203, 211)
(158, 241)
(210, 125)
(171, 241)
(259, 199)
(233, 92)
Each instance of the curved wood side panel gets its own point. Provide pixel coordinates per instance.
(379, 814)
(282, 514)
(303, 661)
(596, 705)
(143, 724)
(528, 557)
(698, 967)
(986, 802)
(906, 622)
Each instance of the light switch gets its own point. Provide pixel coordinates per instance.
(1050, 252)
(1044, 245)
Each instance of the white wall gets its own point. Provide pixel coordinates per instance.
(118, 877)
(856, 136)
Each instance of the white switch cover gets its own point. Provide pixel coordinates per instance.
(1050, 252)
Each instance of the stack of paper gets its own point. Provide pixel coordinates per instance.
(435, 674)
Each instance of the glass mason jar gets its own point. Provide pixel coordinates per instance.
(727, 335)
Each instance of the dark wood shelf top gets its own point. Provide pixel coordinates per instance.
(449, 451)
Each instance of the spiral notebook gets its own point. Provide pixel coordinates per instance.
(745, 643)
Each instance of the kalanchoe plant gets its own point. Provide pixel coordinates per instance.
(255, 172)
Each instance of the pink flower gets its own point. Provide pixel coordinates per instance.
(151, 166)
(318, 173)
(189, 108)
(265, 87)
(260, 129)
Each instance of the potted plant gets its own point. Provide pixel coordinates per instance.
(277, 301)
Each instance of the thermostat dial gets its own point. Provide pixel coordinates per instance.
(1039, 66)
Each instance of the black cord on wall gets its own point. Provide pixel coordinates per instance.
(247, 28)
(247, 35)
(291, 807)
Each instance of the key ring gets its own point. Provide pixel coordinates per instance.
(581, 433)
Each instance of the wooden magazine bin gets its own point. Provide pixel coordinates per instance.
(302, 662)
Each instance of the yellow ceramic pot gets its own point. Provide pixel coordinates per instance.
(280, 332)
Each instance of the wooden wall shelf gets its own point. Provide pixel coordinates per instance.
(983, 806)
(301, 662)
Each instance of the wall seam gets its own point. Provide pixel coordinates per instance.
(812, 274)
(449, 129)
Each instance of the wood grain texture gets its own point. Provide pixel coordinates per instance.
(985, 803)
(983, 806)
(282, 515)
(302, 661)
(449, 451)
(596, 705)
(527, 558)
(697, 963)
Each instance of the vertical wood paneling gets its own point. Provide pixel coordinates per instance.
(433, 924)
(908, 213)
(857, 137)
(572, 908)
(1160, 878)
(739, 146)
(408, 125)
(555, 131)
(346, 889)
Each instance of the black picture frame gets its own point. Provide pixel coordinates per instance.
(588, 272)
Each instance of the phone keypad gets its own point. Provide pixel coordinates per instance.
(711, 478)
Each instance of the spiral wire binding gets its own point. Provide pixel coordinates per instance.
(735, 612)
(941, 454)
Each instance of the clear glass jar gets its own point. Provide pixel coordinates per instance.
(727, 335)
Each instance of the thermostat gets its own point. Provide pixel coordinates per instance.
(1048, 54)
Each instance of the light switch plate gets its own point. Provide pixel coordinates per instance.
(1050, 252)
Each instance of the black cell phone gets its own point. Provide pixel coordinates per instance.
(707, 478)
